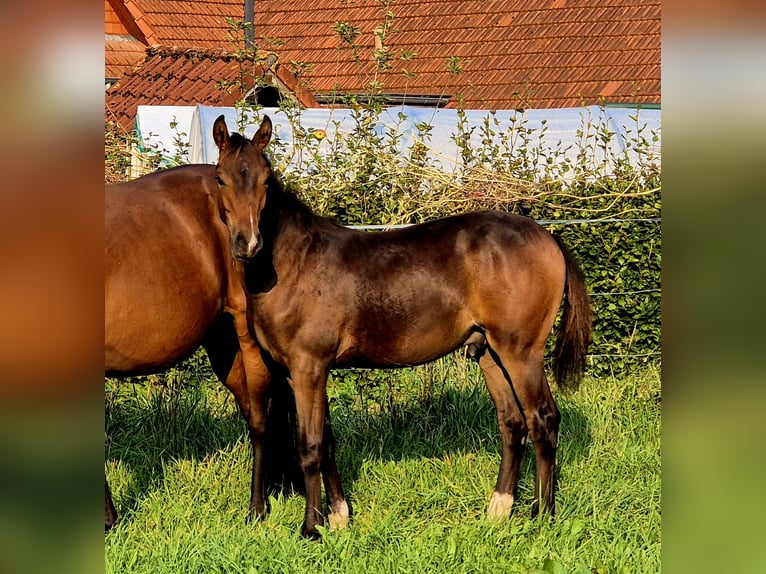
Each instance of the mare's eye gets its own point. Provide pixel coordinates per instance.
(219, 180)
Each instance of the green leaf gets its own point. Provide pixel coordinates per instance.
(552, 566)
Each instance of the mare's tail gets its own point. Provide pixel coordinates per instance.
(574, 331)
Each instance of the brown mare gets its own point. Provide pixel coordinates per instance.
(324, 296)
(172, 285)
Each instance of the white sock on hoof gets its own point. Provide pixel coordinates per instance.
(500, 506)
(339, 517)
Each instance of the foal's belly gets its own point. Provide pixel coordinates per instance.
(392, 341)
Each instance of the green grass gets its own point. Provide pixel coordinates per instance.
(418, 452)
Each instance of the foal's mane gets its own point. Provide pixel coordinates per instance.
(237, 144)
(285, 198)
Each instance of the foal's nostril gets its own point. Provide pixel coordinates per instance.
(246, 246)
(254, 244)
(240, 245)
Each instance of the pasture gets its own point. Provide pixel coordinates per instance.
(418, 451)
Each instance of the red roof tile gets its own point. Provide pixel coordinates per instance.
(121, 54)
(565, 51)
(178, 77)
(192, 24)
(554, 53)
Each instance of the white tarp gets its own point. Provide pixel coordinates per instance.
(161, 128)
(565, 129)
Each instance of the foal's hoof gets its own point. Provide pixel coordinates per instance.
(310, 533)
(253, 516)
(339, 518)
(500, 506)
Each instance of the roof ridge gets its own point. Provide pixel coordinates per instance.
(139, 19)
(194, 52)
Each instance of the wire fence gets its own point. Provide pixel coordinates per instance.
(544, 222)
(616, 293)
(384, 227)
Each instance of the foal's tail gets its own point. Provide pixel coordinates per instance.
(574, 331)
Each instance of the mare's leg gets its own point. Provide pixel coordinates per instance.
(283, 471)
(309, 384)
(542, 417)
(110, 514)
(513, 430)
(256, 423)
(340, 511)
(240, 367)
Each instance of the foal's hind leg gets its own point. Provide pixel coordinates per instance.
(542, 418)
(514, 432)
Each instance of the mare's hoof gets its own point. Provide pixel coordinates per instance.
(548, 510)
(109, 525)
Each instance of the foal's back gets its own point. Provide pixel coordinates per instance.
(475, 270)
(164, 281)
(411, 295)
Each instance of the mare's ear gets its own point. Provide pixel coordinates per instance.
(263, 135)
(220, 132)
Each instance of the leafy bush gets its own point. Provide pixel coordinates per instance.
(608, 210)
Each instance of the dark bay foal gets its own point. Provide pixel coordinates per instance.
(324, 296)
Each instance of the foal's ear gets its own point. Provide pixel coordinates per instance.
(220, 132)
(263, 135)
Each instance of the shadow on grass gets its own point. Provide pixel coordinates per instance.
(148, 425)
(451, 422)
(148, 428)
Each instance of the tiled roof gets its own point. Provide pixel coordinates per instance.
(513, 53)
(186, 77)
(133, 25)
(131, 17)
(529, 53)
(122, 53)
(190, 23)
(112, 22)
(126, 35)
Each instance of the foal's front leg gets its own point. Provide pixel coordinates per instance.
(340, 512)
(283, 472)
(310, 387)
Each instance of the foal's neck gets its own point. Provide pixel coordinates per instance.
(295, 217)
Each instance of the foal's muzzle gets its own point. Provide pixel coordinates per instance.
(245, 245)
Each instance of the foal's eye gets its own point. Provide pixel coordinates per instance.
(219, 180)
